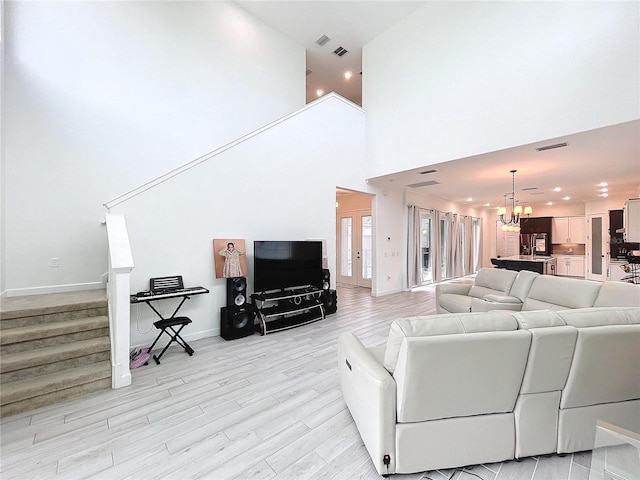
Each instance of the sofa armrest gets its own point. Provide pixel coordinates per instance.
(492, 302)
(457, 288)
(369, 391)
(502, 299)
(481, 305)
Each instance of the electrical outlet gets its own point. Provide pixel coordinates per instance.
(55, 262)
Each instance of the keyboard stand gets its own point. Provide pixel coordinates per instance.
(172, 325)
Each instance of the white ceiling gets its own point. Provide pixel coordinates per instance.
(610, 154)
(349, 24)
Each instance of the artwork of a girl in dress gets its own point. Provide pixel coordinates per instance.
(229, 258)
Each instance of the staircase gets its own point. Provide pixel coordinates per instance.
(52, 348)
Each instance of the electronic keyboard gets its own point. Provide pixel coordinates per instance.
(167, 293)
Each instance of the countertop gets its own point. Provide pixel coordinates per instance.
(529, 258)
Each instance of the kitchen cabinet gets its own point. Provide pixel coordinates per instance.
(569, 230)
(570, 266)
(536, 225)
(632, 220)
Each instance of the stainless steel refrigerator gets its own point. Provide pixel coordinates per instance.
(537, 243)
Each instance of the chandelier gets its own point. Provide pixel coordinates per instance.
(511, 223)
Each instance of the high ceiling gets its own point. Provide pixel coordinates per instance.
(610, 154)
(347, 24)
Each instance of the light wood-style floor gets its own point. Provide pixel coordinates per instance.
(260, 407)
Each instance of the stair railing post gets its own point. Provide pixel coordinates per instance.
(118, 295)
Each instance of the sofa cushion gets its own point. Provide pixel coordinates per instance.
(558, 293)
(522, 284)
(492, 281)
(443, 324)
(606, 356)
(618, 294)
(549, 359)
(445, 376)
(600, 316)
(538, 319)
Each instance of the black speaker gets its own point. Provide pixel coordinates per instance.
(326, 279)
(329, 300)
(236, 291)
(236, 322)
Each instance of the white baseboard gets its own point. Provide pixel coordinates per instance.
(385, 292)
(189, 337)
(73, 287)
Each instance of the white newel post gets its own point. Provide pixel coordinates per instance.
(120, 266)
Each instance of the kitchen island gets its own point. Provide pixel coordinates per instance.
(535, 263)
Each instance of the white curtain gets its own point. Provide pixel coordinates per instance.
(414, 264)
(439, 256)
(460, 254)
(477, 242)
(454, 244)
(467, 244)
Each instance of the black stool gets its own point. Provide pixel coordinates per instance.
(166, 325)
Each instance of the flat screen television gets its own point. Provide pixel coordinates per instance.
(278, 265)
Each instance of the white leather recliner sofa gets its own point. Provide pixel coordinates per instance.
(460, 389)
(499, 289)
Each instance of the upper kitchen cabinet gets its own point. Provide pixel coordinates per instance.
(569, 230)
(632, 220)
(536, 225)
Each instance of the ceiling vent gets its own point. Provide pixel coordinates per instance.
(340, 51)
(423, 184)
(529, 188)
(322, 41)
(551, 147)
(428, 171)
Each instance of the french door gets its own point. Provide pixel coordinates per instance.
(596, 260)
(355, 248)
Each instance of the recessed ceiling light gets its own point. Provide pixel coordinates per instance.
(549, 203)
(348, 75)
(469, 199)
(566, 198)
(603, 190)
(604, 194)
(603, 184)
(557, 189)
(487, 204)
(319, 92)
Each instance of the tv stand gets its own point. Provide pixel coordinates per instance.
(286, 309)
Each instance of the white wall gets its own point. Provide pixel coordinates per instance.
(277, 185)
(103, 96)
(3, 229)
(456, 79)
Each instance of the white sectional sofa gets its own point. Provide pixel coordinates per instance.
(499, 289)
(453, 390)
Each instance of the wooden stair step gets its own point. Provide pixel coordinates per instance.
(54, 397)
(57, 353)
(23, 390)
(55, 329)
(38, 305)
